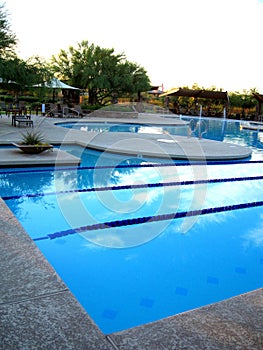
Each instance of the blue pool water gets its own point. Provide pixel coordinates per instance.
(214, 129)
(138, 240)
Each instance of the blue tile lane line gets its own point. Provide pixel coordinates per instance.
(110, 314)
(212, 280)
(145, 219)
(146, 302)
(148, 165)
(181, 291)
(240, 270)
(129, 187)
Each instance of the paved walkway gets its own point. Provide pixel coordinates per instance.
(37, 311)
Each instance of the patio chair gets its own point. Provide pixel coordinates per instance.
(9, 109)
(3, 108)
(79, 110)
(72, 112)
(54, 110)
(22, 108)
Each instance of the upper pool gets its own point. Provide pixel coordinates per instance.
(231, 131)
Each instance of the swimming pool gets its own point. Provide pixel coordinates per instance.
(146, 239)
(232, 131)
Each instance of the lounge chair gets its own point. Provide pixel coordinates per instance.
(72, 112)
(54, 110)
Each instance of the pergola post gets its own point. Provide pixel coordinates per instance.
(259, 99)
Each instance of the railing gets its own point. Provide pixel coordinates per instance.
(200, 127)
(75, 111)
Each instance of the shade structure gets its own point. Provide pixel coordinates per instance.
(55, 83)
(70, 93)
(259, 98)
(221, 95)
(196, 94)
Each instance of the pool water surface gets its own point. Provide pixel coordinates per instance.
(137, 240)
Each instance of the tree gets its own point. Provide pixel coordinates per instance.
(104, 74)
(7, 38)
(243, 100)
(17, 74)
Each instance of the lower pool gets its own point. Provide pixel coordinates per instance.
(137, 240)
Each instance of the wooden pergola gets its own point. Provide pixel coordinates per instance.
(259, 99)
(200, 93)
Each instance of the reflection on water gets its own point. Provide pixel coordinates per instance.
(61, 192)
(232, 132)
(220, 255)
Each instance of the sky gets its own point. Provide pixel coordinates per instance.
(211, 43)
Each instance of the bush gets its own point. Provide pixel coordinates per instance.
(28, 99)
(90, 107)
(8, 98)
(32, 137)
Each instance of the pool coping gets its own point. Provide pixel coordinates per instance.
(39, 312)
(57, 157)
(167, 146)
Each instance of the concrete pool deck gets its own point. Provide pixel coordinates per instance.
(138, 144)
(37, 311)
(9, 157)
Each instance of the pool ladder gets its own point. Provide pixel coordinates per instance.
(200, 127)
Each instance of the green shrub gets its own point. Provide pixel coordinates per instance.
(32, 137)
(28, 99)
(90, 107)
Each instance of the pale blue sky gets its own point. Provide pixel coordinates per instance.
(178, 42)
